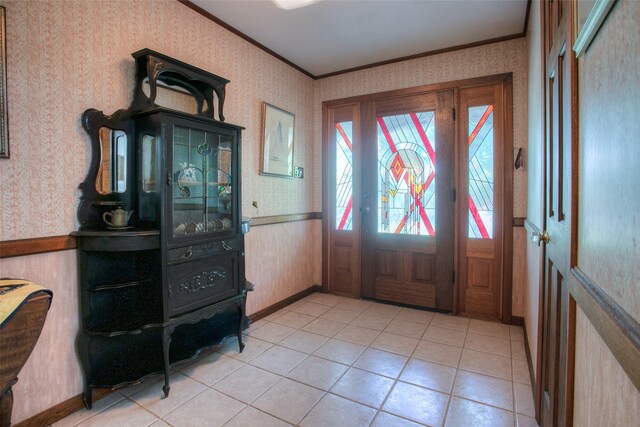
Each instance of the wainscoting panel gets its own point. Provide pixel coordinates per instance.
(597, 373)
(52, 374)
(282, 260)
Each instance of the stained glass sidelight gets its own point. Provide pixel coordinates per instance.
(406, 174)
(481, 172)
(344, 175)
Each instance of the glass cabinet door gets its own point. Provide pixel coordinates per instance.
(201, 199)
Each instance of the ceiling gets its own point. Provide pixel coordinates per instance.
(330, 36)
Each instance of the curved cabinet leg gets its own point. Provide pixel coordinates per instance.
(166, 344)
(87, 396)
(241, 312)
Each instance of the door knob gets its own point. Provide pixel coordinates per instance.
(365, 209)
(540, 237)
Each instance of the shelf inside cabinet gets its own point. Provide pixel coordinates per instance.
(186, 182)
(124, 359)
(114, 311)
(143, 282)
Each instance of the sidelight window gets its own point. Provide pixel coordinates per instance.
(481, 198)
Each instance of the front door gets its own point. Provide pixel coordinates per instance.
(557, 309)
(414, 204)
(407, 200)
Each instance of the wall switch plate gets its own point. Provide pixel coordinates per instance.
(298, 172)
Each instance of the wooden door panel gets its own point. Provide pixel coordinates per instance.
(550, 363)
(405, 277)
(344, 268)
(480, 274)
(424, 268)
(387, 265)
(406, 293)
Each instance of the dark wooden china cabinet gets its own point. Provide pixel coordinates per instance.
(161, 237)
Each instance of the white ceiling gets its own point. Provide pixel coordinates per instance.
(335, 35)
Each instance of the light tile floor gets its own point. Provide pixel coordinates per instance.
(333, 361)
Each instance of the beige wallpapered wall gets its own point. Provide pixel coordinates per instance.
(66, 56)
(52, 373)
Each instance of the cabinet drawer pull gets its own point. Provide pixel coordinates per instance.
(187, 254)
(226, 246)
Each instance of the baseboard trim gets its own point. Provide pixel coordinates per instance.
(61, 410)
(285, 302)
(519, 321)
(527, 350)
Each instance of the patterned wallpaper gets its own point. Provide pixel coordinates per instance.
(65, 56)
(61, 61)
(497, 58)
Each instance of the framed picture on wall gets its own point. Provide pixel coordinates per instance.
(4, 118)
(277, 141)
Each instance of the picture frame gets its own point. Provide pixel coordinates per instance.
(4, 117)
(278, 128)
(589, 16)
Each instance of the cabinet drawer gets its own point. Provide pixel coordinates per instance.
(192, 252)
(195, 284)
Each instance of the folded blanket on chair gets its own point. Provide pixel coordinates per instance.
(13, 294)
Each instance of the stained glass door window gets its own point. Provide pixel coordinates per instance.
(344, 175)
(481, 178)
(406, 174)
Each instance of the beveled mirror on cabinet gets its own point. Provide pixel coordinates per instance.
(112, 173)
(174, 97)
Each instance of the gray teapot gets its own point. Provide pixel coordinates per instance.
(119, 218)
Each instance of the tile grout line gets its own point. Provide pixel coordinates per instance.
(177, 407)
(397, 379)
(98, 412)
(349, 366)
(455, 377)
